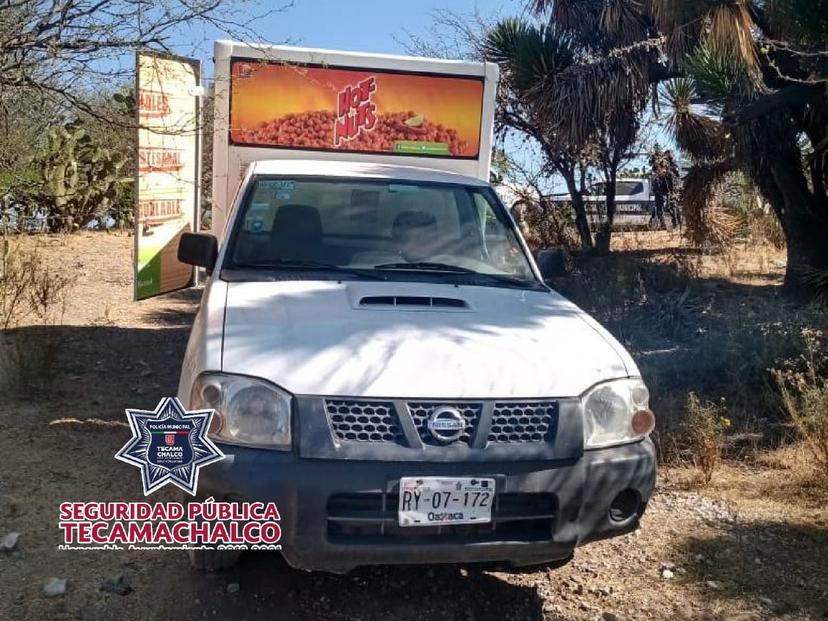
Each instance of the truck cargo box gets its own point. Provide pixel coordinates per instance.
(280, 102)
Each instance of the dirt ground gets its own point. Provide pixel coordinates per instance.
(748, 547)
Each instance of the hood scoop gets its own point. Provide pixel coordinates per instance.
(413, 302)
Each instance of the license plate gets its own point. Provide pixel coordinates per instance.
(427, 501)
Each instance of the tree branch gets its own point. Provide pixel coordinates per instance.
(796, 94)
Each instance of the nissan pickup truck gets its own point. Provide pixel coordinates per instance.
(387, 364)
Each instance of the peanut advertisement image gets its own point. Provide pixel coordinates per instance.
(324, 108)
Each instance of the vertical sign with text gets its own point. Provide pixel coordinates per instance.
(167, 184)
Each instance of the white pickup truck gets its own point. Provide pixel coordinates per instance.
(384, 358)
(634, 202)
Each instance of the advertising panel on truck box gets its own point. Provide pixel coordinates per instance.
(167, 170)
(334, 109)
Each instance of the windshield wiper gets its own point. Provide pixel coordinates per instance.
(515, 281)
(302, 264)
(426, 266)
(430, 266)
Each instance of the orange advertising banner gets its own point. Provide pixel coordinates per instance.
(325, 108)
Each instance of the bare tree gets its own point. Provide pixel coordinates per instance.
(62, 49)
(61, 62)
(543, 222)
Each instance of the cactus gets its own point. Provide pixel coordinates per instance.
(79, 179)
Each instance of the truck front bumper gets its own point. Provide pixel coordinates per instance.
(337, 515)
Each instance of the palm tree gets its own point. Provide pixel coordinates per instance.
(529, 57)
(541, 66)
(747, 82)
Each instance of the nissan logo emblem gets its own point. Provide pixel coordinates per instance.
(446, 424)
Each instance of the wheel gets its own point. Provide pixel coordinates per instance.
(211, 560)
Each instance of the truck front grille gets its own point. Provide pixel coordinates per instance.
(364, 421)
(372, 518)
(529, 421)
(379, 421)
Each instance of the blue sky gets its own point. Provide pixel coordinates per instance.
(367, 26)
(362, 25)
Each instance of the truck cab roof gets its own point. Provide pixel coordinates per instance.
(331, 168)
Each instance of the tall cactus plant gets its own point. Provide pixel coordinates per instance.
(79, 178)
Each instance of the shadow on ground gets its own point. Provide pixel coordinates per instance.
(749, 561)
(101, 369)
(182, 314)
(692, 332)
(268, 586)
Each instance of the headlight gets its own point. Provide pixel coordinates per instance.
(617, 412)
(249, 412)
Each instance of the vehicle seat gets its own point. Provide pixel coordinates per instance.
(415, 234)
(296, 233)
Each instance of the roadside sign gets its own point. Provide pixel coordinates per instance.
(167, 169)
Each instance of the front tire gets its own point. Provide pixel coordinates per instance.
(210, 559)
(207, 560)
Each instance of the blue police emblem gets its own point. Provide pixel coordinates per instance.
(169, 445)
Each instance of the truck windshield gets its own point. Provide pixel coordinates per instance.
(375, 227)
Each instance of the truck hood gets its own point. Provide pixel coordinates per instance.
(385, 339)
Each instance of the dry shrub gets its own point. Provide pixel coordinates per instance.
(804, 391)
(32, 298)
(721, 206)
(765, 226)
(700, 195)
(547, 226)
(706, 427)
(755, 221)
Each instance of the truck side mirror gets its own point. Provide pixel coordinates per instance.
(550, 263)
(199, 249)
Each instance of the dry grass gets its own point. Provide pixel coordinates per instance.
(706, 426)
(709, 323)
(804, 393)
(775, 483)
(31, 294)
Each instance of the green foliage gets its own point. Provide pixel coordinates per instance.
(558, 90)
(79, 180)
(12, 179)
(114, 126)
(679, 94)
(530, 55)
(803, 21)
(125, 102)
(501, 166)
(717, 77)
(706, 429)
(699, 136)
